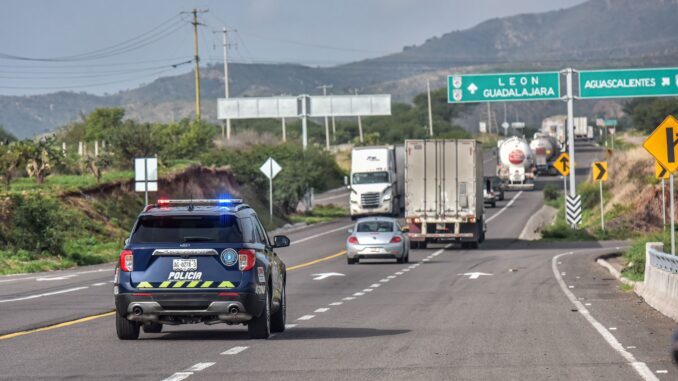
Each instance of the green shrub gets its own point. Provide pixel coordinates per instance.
(37, 225)
(551, 192)
(635, 255)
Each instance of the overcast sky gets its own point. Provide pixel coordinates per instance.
(129, 42)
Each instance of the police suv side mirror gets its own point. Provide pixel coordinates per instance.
(126, 241)
(281, 241)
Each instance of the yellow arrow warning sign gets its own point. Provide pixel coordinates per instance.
(600, 170)
(663, 142)
(660, 172)
(562, 164)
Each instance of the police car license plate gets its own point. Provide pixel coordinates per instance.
(184, 264)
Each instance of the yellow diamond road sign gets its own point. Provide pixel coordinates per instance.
(662, 144)
(600, 170)
(660, 172)
(562, 164)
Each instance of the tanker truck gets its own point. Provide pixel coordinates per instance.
(545, 149)
(515, 163)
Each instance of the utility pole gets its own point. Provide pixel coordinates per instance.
(226, 82)
(334, 130)
(327, 127)
(489, 119)
(195, 23)
(360, 123)
(430, 112)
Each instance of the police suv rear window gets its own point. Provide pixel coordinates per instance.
(194, 228)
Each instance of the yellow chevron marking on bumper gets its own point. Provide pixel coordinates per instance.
(193, 284)
(206, 284)
(226, 284)
(145, 285)
(165, 284)
(179, 284)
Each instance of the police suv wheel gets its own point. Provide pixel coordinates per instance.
(278, 319)
(152, 327)
(126, 329)
(260, 327)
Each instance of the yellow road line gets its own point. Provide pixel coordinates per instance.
(339, 254)
(55, 326)
(92, 317)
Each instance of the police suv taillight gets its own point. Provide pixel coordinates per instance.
(126, 261)
(246, 259)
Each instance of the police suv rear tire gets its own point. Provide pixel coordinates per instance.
(278, 319)
(260, 327)
(152, 328)
(126, 329)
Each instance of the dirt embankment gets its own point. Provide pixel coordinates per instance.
(117, 204)
(635, 195)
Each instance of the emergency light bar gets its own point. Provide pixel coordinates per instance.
(199, 201)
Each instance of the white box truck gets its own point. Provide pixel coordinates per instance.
(444, 192)
(580, 127)
(377, 181)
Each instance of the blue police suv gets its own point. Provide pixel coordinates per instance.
(200, 261)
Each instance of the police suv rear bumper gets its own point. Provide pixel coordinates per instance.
(180, 308)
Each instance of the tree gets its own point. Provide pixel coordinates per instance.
(40, 157)
(5, 136)
(647, 113)
(11, 157)
(96, 164)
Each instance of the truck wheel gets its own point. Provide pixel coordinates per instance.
(423, 245)
(350, 261)
(278, 319)
(260, 327)
(126, 329)
(152, 327)
(494, 204)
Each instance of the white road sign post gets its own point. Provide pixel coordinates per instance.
(270, 168)
(146, 176)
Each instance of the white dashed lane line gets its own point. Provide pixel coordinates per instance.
(43, 295)
(236, 350)
(336, 303)
(306, 317)
(178, 376)
(320, 310)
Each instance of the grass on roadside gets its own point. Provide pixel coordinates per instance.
(635, 255)
(320, 214)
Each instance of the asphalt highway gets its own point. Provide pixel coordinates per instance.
(511, 310)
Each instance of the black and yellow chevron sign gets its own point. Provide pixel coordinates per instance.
(186, 284)
(600, 170)
(660, 172)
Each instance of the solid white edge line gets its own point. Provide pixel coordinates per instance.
(236, 350)
(45, 294)
(505, 207)
(319, 235)
(640, 367)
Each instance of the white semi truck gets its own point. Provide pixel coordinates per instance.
(444, 192)
(377, 181)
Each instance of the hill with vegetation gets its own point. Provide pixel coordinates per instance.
(597, 33)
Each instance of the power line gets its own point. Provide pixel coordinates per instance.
(85, 85)
(156, 33)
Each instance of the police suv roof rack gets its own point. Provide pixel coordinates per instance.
(191, 203)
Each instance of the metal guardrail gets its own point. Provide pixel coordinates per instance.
(660, 260)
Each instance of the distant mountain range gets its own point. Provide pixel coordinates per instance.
(597, 33)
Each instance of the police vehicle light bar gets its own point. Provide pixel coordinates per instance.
(215, 201)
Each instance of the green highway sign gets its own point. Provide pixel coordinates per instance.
(628, 83)
(503, 87)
